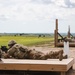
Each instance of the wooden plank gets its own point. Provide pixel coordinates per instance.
(36, 65)
(71, 44)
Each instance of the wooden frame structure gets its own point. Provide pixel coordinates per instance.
(56, 40)
(37, 65)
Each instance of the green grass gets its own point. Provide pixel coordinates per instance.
(28, 41)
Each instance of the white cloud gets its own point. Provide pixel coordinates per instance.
(27, 10)
(42, 1)
(35, 10)
(60, 3)
(73, 1)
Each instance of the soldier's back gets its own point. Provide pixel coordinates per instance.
(18, 51)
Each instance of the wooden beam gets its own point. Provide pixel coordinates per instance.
(68, 31)
(56, 31)
(37, 65)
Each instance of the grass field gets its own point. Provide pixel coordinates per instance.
(26, 40)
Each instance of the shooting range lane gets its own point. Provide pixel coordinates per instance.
(60, 42)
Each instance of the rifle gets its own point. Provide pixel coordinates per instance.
(4, 48)
(71, 35)
(62, 37)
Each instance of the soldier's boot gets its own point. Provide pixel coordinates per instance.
(61, 55)
(65, 57)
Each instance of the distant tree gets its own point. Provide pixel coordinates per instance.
(21, 34)
(39, 36)
(15, 35)
(43, 35)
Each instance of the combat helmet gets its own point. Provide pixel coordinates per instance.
(11, 42)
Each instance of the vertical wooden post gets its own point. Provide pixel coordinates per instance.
(57, 24)
(55, 38)
(56, 35)
(69, 32)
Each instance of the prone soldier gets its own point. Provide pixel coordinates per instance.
(23, 52)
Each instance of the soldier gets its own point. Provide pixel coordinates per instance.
(23, 52)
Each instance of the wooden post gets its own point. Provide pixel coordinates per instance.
(56, 35)
(69, 32)
(57, 24)
(55, 38)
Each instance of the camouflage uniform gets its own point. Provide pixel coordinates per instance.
(22, 52)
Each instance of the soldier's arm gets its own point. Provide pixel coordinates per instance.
(6, 55)
(9, 53)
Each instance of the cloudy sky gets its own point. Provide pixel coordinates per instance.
(36, 16)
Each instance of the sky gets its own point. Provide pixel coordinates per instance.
(36, 16)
